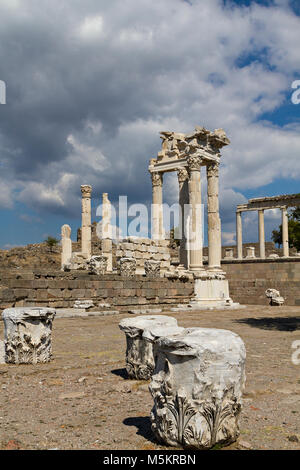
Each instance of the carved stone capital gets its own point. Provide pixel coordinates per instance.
(86, 190)
(182, 175)
(157, 179)
(140, 361)
(28, 334)
(197, 387)
(194, 163)
(213, 170)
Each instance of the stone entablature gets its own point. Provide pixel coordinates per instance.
(273, 202)
(177, 147)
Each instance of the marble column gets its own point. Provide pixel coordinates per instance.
(107, 231)
(261, 232)
(285, 231)
(157, 209)
(66, 245)
(183, 179)
(195, 232)
(214, 221)
(86, 224)
(239, 236)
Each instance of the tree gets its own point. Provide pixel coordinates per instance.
(293, 228)
(51, 242)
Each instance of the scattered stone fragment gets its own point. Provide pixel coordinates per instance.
(244, 444)
(83, 304)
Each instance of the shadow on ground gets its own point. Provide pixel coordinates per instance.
(143, 425)
(278, 323)
(120, 373)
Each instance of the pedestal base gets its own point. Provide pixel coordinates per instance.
(211, 290)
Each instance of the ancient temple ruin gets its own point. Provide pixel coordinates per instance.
(187, 154)
(261, 204)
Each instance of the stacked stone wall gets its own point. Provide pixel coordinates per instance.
(249, 279)
(60, 290)
(145, 249)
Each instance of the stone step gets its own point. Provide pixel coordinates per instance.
(76, 312)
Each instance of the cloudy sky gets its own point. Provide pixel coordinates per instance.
(89, 85)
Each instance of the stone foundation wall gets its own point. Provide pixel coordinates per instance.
(249, 279)
(144, 249)
(59, 289)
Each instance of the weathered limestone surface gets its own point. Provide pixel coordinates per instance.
(78, 261)
(274, 296)
(106, 231)
(152, 268)
(83, 304)
(211, 289)
(140, 360)
(98, 265)
(197, 388)
(2, 353)
(228, 253)
(250, 252)
(144, 249)
(66, 245)
(127, 267)
(28, 334)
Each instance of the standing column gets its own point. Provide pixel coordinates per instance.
(183, 179)
(261, 233)
(285, 231)
(106, 231)
(195, 232)
(66, 245)
(239, 239)
(86, 224)
(157, 214)
(214, 221)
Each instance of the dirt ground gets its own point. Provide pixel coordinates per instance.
(83, 399)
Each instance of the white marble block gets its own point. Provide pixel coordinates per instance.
(275, 297)
(127, 267)
(152, 268)
(98, 265)
(27, 335)
(140, 360)
(197, 388)
(250, 252)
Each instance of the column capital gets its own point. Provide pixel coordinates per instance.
(212, 169)
(86, 190)
(157, 178)
(194, 163)
(182, 175)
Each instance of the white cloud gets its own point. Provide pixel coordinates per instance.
(91, 27)
(89, 108)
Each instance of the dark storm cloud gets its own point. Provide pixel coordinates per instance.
(90, 85)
